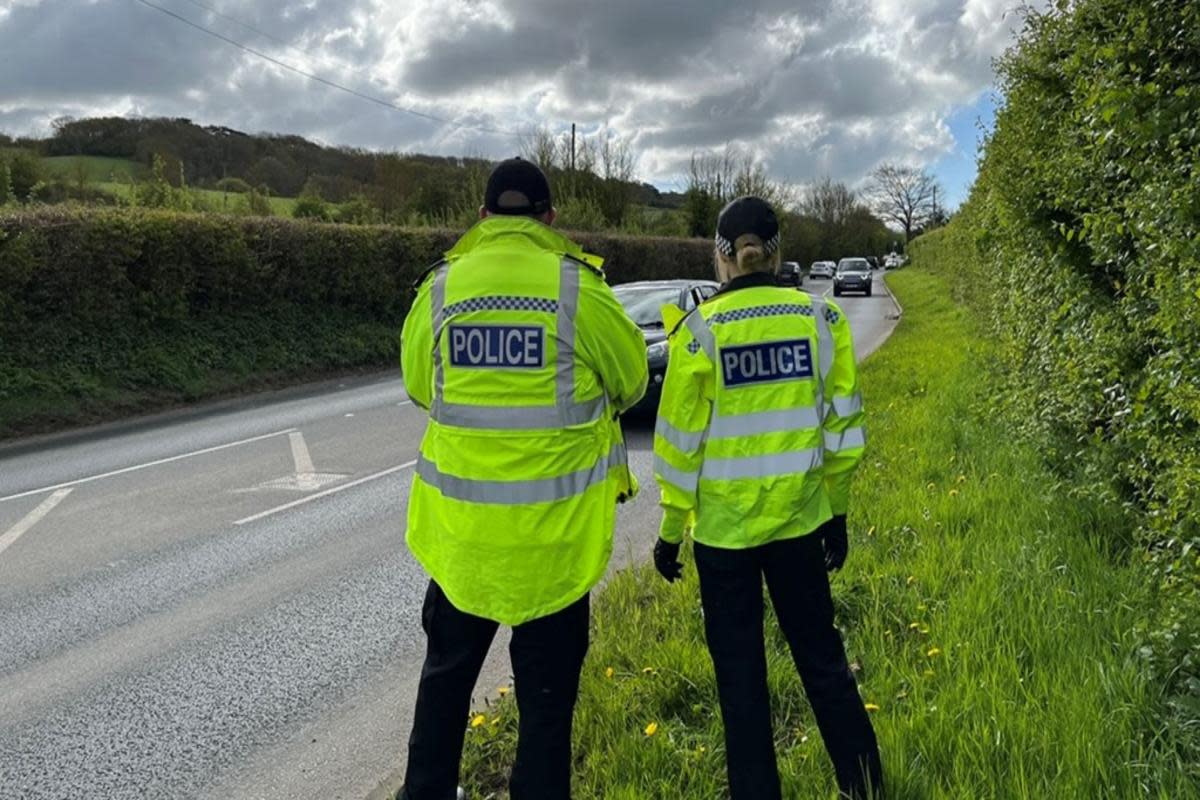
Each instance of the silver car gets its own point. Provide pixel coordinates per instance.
(821, 269)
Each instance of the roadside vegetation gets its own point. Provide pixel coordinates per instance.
(1022, 599)
(990, 620)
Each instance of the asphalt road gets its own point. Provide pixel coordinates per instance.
(219, 603)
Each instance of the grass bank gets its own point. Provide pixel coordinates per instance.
(990, 629)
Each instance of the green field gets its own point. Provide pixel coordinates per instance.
(116, 175)
(97, 168)
(990, 628)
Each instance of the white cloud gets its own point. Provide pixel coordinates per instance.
(816, 86)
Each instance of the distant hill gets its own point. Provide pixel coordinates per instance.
(282, 164)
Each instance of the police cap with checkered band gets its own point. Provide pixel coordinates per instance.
(747, 215)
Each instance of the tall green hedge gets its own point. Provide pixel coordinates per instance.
(105, 311)
(1080, 243)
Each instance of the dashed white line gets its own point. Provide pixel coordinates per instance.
(147, 465)
(32, 518)
(326, 493)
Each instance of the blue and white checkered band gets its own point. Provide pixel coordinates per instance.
(503, 303)
(831, 315)
(726, 247)
(693, 347)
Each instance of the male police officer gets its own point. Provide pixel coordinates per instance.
(759, 431)
(523, 359)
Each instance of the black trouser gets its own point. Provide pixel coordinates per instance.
(547, 655)
(731, 592)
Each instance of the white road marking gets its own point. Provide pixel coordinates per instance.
(300, 456)
(147, 465)
(326, 493)
(32, 518)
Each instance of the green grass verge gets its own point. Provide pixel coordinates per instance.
(982, 615)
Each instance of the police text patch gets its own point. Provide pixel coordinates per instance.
(767, 362)
(498, 346)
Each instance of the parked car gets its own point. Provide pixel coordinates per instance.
(790, 274)
(893, 261)
(643, 302)
(853, 275)
(822, 269)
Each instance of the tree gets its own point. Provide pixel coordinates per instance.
(904, 196)
(828, 202)
(6, 190)
(309, 205)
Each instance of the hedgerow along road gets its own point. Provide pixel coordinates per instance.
(219, 603)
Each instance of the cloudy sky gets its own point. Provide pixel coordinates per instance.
(814, 87)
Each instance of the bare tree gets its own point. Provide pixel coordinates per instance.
(828, 202)
(903, 196)
(541, 147)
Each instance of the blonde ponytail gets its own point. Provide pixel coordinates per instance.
(751, 256)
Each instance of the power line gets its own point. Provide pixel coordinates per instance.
(319, 79)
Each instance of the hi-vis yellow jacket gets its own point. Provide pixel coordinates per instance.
(523, 358)
(761, 423)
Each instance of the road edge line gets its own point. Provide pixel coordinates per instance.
(147, 465)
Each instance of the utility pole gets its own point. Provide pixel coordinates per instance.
(572, 147)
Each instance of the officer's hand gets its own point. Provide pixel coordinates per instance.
(836, 542)
(666, 560)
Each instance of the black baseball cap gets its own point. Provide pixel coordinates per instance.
(747, 214)
(517, 187)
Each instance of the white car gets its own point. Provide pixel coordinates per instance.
(822, 269)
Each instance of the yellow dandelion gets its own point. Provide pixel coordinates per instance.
(954, 492)
(652, 729)
(923, 630)
(922, 607)
(931, 486)
(478, 720)
(871, 707)
(911, 580)
(608, 673)
(871, 531)
(648, 670)
(496, 721)
(934, 652)
(912, 626)
(503, 690)
(962, 478)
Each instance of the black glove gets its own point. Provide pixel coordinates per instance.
(666, 560)
(836, 543)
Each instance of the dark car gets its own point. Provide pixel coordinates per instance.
(790, 274)
(853, 275)
(643, 302)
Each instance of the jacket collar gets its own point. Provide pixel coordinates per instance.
(749, 280)
(490, 230)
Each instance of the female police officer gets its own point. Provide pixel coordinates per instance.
(759, 430)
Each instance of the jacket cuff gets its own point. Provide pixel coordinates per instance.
(675, 523)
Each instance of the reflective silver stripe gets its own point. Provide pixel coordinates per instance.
(437, 304)
(518, 418)
(519, 493)
(849, 439)
(846, 406)
(824, 339)
(780, 421)
(564, 364)
(764, 466)
(687, 441)
(684, 480)
(702, 333)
